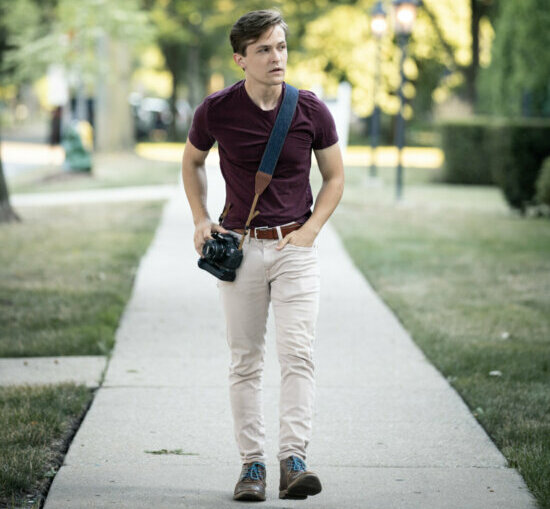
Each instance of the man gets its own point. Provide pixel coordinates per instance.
(280, 262)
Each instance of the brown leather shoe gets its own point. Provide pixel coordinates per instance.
(251, 484)
(296, 481)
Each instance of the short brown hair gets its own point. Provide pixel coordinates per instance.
(250, 27)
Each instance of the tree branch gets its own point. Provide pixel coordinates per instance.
(446, 45)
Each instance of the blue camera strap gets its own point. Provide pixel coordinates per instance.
(276, 139)
(272, 151)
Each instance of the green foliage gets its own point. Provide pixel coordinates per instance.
(517, 81)
(35, 424)
(467, 152)
(339, 45)
(189, 34)
(518, 148)
(429, 78)
(508, 152)
(17, 20)
(39, 35)
(329, 41)
(543, 183)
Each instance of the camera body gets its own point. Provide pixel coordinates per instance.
(221, 256)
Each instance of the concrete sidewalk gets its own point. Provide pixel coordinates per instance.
(85, 369)
(389, 432)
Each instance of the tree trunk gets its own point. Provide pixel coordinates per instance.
(173, 56)
(114, 117)
(472, 70)
(173, 130)
(193, 76)
(7, 214)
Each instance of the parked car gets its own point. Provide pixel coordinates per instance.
(153, 117)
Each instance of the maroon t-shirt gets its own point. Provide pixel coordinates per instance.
(242, 129)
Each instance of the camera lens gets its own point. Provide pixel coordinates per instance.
(207, 250)
(213, 250)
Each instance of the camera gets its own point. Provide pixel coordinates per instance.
(221, 256)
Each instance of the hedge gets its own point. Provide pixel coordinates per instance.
(543, 184)
(506, 152)
(467, 148)
(519, 148)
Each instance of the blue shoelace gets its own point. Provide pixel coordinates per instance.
(298, 464)
(254, 472)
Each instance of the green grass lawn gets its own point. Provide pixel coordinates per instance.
(109, 170)
(36, 426)
(66, 274)
(471, 282)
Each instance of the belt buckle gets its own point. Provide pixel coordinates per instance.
(260, 228)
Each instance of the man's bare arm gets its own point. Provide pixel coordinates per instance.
(331, 167)
(194, 181)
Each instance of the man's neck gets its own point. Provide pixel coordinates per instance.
(266, 97)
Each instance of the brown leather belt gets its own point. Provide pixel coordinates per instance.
(264, 233)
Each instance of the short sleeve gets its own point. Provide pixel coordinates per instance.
(325, 134)
(199, 134)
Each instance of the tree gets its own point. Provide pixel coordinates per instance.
(12, 19)
(451, 39)
(101, 38)
(189, 33)
(72, 37)
(518, 79)
(478, 11)
(6, 211)
(193, 37)
(7, 214)
(22, 20)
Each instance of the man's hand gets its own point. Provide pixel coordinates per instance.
(203, 232)
(303, 237)
(332, 171)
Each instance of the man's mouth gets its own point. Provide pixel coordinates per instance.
(277, 69)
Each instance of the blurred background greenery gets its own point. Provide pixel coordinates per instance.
(465, 273)
(136, 69)
(466, 56)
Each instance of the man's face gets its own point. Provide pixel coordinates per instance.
(265, 60)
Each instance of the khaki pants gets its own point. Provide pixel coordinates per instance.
(289, 279)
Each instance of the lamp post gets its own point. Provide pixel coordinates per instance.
(378, 27)
(405, 16)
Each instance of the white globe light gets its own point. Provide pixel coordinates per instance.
(379, 25)
(405, 16)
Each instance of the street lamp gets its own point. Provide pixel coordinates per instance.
(405, 16)
(378, 25)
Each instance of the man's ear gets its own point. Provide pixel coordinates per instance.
(239, 60)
